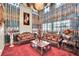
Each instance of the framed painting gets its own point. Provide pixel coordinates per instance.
(26, 18)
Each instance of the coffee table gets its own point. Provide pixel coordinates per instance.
(41, 46)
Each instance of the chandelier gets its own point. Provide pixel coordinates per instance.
(39, 6)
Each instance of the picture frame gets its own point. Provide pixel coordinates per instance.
(26, 18)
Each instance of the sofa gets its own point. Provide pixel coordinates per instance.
(54, 39)
(25, 37)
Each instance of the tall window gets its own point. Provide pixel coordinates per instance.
(12, 16)
(44, 27)
(61, 25)
(47, 27)
(58, 4)
(46, 9)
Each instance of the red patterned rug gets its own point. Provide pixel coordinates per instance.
(27, 50)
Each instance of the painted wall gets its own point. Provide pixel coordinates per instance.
(25, 28)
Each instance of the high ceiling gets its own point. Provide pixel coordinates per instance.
(32, 5)
(35, 12)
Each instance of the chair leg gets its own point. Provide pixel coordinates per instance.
(58, 45)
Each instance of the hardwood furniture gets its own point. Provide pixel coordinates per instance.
(41, 46)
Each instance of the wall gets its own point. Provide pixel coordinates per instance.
(1, 29)
(1, 38)
(25, 28)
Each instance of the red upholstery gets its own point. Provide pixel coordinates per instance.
(53, 38)
(25, 37)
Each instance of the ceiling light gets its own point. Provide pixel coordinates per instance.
(39, 6)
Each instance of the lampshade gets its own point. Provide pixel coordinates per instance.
(39, 6)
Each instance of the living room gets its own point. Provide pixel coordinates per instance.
(39, 29)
